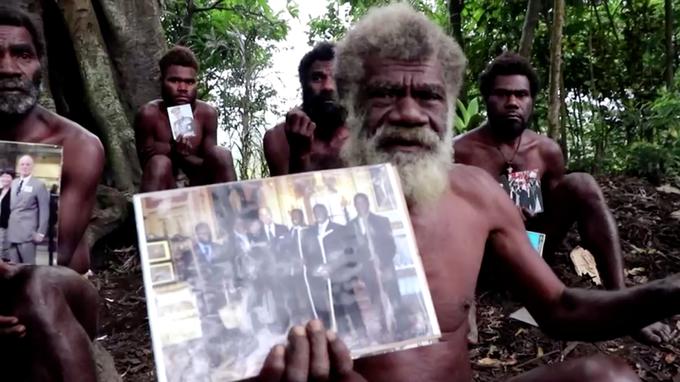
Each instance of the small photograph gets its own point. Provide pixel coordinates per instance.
(524, 188)
(30, 179)
(158, 251)
(258, 257)
(181, 120)
(537, 240)
(162, 273)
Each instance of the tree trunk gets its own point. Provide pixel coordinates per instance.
(555, 69)
(530, 22)
(455, 12)
(100, 92)
(668, 9)
(563, 120)
(135, 59)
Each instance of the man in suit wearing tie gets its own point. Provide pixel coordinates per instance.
(29, 213)
(269, 232)
(330, 257)
(6, 177)
(208, 269)
(376, 250)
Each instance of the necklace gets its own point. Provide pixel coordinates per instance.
(508, 162)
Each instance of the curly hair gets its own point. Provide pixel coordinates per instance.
(507, 64)
(15, 17)
(397, 32)
(178, 55)
(323, 51)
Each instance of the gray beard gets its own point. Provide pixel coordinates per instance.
(20, 102)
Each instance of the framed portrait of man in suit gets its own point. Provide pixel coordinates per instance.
(30, 179)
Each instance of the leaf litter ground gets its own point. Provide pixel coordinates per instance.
(650, 237)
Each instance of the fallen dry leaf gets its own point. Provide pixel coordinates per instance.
(668, 189)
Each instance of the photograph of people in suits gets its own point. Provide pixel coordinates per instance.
(29, 213)
(524, 189)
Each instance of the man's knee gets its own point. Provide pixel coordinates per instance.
(605, 369)
(218, 156)
(581, 186)
(159, 166)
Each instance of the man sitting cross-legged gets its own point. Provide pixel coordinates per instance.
(509, 86)
(196, 154)
(398, 75)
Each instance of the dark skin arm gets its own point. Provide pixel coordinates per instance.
(571, 313)
(81, 172)
(276, 150)
(145, 138)
(299, 135)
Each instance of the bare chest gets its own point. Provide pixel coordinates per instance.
(451, 243)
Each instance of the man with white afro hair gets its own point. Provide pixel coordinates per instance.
(398, 75)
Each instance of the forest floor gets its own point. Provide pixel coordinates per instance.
(650, 238)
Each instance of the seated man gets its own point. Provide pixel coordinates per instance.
(311, 137)
(23, 120)
(398, 74)
(197, 154)
(52, 309)
(504, 145)
(47, 308)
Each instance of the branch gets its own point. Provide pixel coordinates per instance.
(214, 5)
(217, 5)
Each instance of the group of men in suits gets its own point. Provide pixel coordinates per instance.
(24, 213)
(286, 275)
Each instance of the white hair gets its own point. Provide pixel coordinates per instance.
(399, 32)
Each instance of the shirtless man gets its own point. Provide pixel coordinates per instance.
(312, 136)
(197, 155)
(509, 86)
(398, 75)
(23, 120)
(50, 308)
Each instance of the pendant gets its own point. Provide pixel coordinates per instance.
(509, 169)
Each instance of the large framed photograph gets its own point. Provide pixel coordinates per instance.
(260, 256)
(30, 182)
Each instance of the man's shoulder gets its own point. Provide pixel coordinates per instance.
(204, 109)
(71, 133)
(276, 132)
(464, 144)
(471, 181)
(547, 145)
(150, 108)
(37, 181)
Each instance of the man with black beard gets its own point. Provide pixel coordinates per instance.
(311, 137)
(504, 144)
(197, 155)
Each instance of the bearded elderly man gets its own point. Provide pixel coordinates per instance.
(398, 75)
